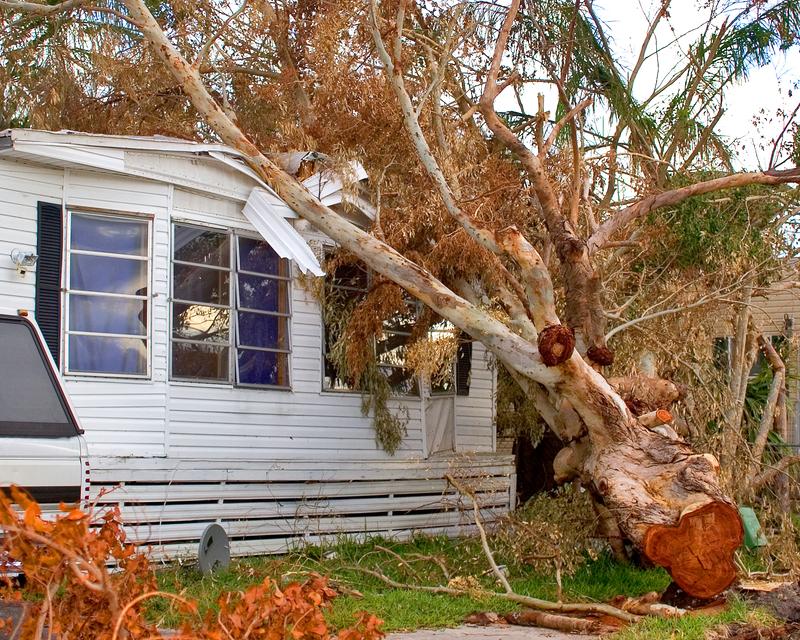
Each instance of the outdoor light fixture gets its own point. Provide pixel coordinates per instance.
(23, 260)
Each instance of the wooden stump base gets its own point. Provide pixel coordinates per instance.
(698, 552)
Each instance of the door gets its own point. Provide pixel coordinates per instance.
(440, 422)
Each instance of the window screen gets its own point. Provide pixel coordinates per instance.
(31, 402)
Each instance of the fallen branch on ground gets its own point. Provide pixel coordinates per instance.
(456, 587)
(528, 601)
(533, 618)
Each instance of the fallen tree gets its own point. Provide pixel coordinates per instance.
(550, 226)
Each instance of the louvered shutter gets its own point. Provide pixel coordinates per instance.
(49, 246)
(463, 368)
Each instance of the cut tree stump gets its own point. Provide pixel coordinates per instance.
(698, 552)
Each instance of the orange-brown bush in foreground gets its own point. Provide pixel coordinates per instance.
(89, 583)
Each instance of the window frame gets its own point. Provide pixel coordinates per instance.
(147, 219)
(452, 391)
(233, 307)
(328, 249)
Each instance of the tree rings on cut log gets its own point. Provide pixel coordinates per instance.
(556, 344)
(698, 552)
(600, 355)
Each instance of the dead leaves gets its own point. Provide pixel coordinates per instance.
(67, 562)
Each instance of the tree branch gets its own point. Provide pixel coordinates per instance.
(527, 601)
(203, 53)
(626, 216)
(539, 287)
(580, 281)
(572, 113)
(238, 69)
(411, 122)
(768, 416)
(41, 9)
(770, 473)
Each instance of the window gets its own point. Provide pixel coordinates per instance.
(391, 349)
(345, 287)
(230, 309)
(445, 383)
(722, 355)
(107, 302)
(348, 285)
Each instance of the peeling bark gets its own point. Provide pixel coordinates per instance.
(643, 394)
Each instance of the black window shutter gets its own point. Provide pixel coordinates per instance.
(49, 229)
(463, 368)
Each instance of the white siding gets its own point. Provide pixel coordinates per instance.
(127, 417)
(475, 412)
(201, 173)
(270, 507)
(145, 418)
(22, 185)
(208, 420)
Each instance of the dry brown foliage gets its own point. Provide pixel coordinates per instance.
(88, 583)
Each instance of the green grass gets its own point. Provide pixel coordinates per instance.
(597, 580)
(693, 627)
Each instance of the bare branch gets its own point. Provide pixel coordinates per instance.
(487, 550)
(779, 137)
(773, 471)
(651, 29)
(768, 416)
(238, 69)
(411, 122)
(583, 308)
(527, 601)
(701, 143)
(203, 53)
(714, 296)
(572, 113)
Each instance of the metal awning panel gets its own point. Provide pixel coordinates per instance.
(262, 212)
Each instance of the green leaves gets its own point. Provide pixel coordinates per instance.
(751, 42)
(711, 231)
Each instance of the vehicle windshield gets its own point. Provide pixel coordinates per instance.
(31, 400)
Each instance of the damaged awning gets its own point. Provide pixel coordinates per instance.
(263, 210)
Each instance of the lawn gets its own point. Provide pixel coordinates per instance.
(401, 609)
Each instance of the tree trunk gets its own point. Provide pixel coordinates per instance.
(665, 497)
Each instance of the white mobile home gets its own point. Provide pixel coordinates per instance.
(167, 283)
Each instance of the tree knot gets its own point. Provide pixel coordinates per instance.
(556, 344)
(600, 355)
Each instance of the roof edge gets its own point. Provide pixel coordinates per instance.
(144, 143)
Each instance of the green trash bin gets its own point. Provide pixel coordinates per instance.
(754, 537)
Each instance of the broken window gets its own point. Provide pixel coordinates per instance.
(346, 286)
